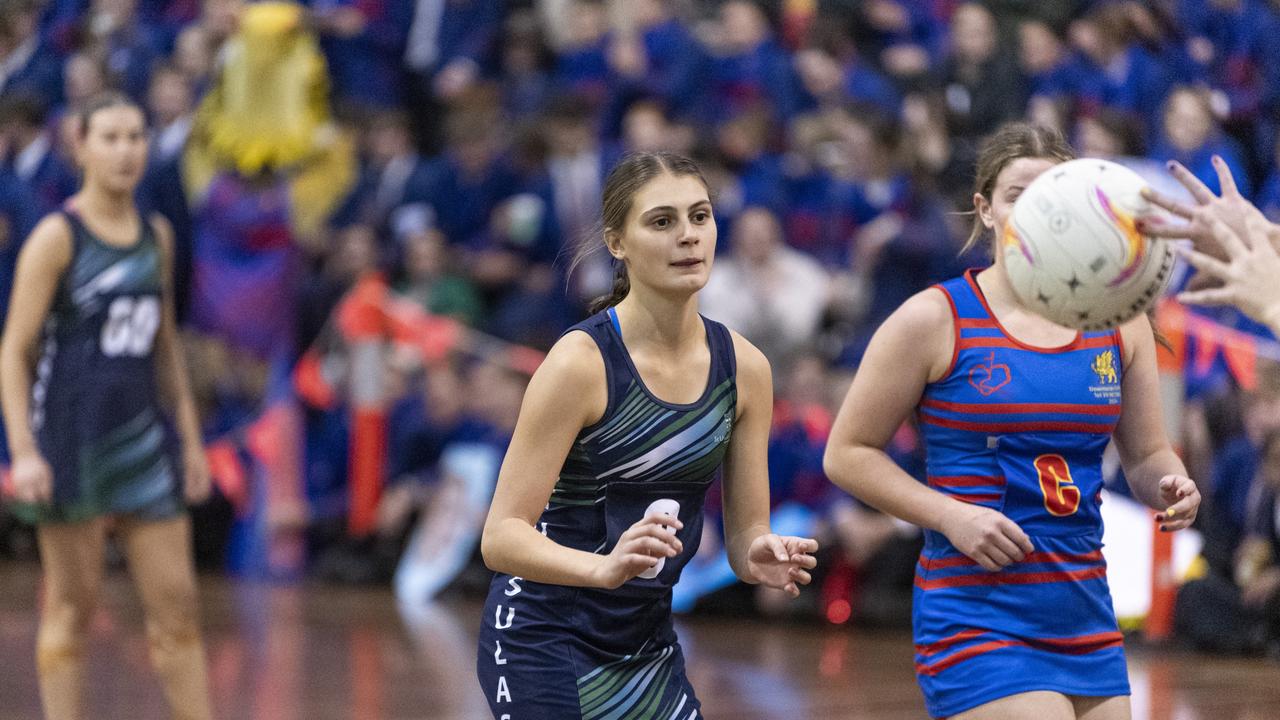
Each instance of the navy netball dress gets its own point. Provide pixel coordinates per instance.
(95, 408)
(552, 652)
(1021, 430)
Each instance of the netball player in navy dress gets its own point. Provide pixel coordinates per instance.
(1012, 614)
(599, 501)
(90, 346)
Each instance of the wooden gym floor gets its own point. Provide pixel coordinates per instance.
(321, 653)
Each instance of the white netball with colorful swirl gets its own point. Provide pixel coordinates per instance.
(1073, 252)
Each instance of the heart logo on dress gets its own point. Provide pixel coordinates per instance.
(989, 376)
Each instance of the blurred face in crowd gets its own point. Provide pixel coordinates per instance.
(388, 139)
(569, 137)
(20, 24)
(220, 18)
(1188, 121)
(744, 25)
(742, 138)
(473, 138)
(1089, 39)
(645, 128)
(113, 148)
(496, 394)
(169, 97)
(647, 13)
(819, 71)
(1039, 49)
(1095, 140)
(807, 382)
(82, 78)
(356, 252)
(1010, 182)
(1262, 407)
(191, 52)
(117, 12)
(424, 254)
(973, 33)
(588, 23)
(1269, 467)
(669, 237)
(520, 53)
(862, 153)
(756, 235)
(446, 394)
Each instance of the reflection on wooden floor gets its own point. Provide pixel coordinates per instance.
(321, 653)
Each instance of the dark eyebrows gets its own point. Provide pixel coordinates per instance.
(700, 205)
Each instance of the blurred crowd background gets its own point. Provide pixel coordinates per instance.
(454, 150)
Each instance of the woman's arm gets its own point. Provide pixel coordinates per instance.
(911, 349)
(41, 263)
(1154, 472)
(755, 553)
(566, 394)
(171, 367)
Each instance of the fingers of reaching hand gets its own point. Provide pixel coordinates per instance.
(1225, 179)
(1235, 246)
(1159, 199)
(1259, 229)
(1205, 263)
(1209, 297)
(1198, 189)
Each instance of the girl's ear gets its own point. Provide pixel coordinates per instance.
(613, 243)
(983, 208)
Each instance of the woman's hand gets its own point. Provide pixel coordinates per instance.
(1181, 497)
(1248, 278)
(986, 536)
(639, 549)
(782, 561)
(32, 479)
(1230, 208)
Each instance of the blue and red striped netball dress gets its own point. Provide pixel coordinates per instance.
(1021, 430)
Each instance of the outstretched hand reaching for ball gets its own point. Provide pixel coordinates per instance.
(782, 561)
(1237, 250)
(1249, 277)
(1229, 208)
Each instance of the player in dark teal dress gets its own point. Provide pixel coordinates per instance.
(90, 348)
(599, 501)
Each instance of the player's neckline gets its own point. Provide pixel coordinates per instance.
(644, 387)
(971, 276)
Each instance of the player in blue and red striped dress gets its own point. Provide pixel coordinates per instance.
(1012, 614)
